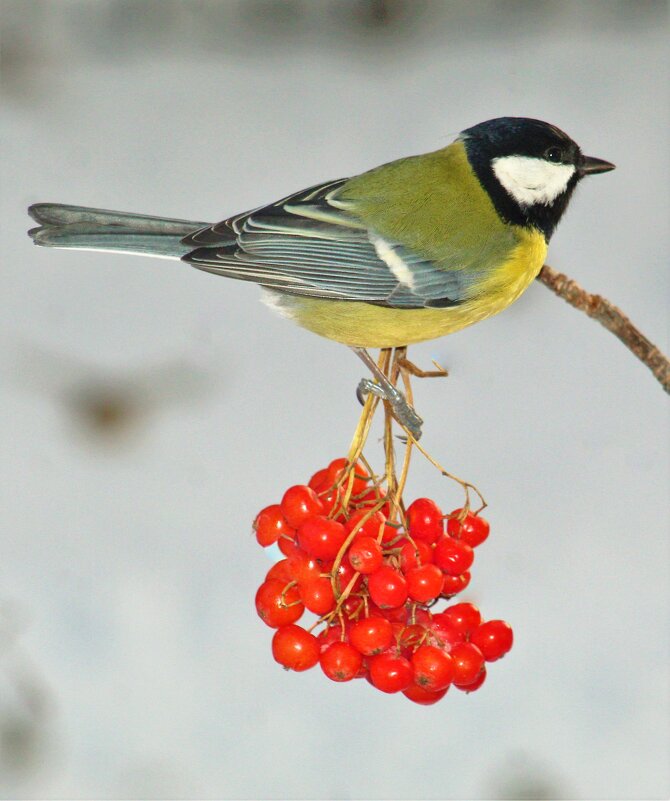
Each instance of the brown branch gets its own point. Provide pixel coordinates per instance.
(612, 318)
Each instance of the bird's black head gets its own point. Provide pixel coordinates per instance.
(529, 168)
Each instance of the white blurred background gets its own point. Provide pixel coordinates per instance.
(150, 410)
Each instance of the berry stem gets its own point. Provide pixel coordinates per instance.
(394, 365)
(369, 408)
(467, 486)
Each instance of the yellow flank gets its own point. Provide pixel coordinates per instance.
(367, 325)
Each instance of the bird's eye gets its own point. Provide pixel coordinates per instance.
(554, 154)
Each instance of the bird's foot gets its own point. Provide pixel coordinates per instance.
(412, 369)
(402, 411)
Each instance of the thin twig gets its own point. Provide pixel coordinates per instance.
(612, 318)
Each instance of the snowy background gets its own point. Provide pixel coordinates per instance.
(149, 410)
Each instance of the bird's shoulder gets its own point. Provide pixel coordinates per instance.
(433, 204)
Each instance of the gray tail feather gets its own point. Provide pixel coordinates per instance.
(96, 229)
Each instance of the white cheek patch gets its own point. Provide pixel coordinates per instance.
(532, 181)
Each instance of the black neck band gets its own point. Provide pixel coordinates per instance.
(544, 218)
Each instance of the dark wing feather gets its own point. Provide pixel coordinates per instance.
(306, 245)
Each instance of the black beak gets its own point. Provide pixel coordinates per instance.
(592, 166)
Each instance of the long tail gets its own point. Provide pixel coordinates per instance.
(96, 229)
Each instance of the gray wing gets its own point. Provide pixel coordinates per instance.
(306, 245)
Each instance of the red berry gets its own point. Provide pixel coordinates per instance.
(444, 634)
(345, 573)
(424, 583)
(390, 673)
(423, 696)
(341, 661)
(424, 519)
(371, 635)
(414, 554)
(299, 504)
(366, 525)
(454, 584)
(321, 538)
(319, 480)
(472, 530)
(303, 567)
(352, 607)
(493, 638)
(463, 617)
(286, 543)
(387, 587)
(361, 477)
(270, 524)
(365, 555)
(331, 498)
(468, 663)
(476, 684)
(317, 595)
(396, 614)
(276, 605)
(295, 648)
(408, 638)
(433, 668)
(424, 617)
(453, 556)
(334, 633)
(280, 572)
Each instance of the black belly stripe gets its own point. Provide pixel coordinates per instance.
(442, 303)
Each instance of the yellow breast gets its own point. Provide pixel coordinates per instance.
(366, 325)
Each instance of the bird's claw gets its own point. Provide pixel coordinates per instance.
(402, 411)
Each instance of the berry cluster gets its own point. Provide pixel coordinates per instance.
(372, 572)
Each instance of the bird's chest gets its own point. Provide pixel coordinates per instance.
(513, 275)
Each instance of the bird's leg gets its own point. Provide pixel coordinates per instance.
(384, 389)
(412, 369)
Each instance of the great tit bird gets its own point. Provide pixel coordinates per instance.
(409, 251)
